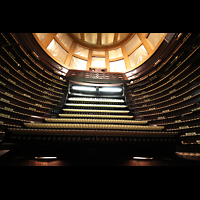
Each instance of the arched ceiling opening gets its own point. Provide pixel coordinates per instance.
(116, 52)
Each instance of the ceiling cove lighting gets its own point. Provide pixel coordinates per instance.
(142, 158)
(109, 89)
(82, 88)
(45, 158)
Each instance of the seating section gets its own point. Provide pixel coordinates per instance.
(28, 90)
(169, 95)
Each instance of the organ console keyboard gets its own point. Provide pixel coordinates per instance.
(94, 111)
(96, 105)
(92, 114)
(96, 116)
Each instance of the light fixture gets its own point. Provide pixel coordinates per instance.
(110, 89)
(45, 158)
(83, 88)
(142, 158)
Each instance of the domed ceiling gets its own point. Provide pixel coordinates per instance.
(100, 40)
(116, 52)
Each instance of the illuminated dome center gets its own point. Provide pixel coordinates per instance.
(116, 52)
(100, 40)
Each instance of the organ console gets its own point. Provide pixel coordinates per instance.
(91, 113)
(157, 107)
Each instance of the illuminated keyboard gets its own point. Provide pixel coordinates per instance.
(92, 126)
(89, 110)
(80, 120)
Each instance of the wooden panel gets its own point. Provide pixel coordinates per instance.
(47, 40)
(146, 43)
(108, 77)
(126, 59)
(107, 61)
(69, 56)
(89, 59)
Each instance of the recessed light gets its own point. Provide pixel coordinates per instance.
(142, 158)
(45, 158)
